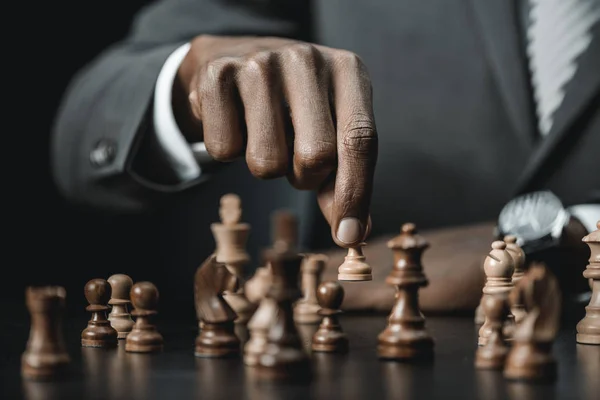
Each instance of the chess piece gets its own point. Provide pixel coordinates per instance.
(98, 332)
(588, 329)
(355, 267)
(144, 337)
(306, 310)
(493, 354)
(217, 336)
(518, 256)
(405, 337)
(119, 316)
(499, 268)
(258, 328)
(231, 236)
(284, 356)
(530, 357)
(330, 337)
(257, 287)
(45, 354)
(479, 314)
(284, 228)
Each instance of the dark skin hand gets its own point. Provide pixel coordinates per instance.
(293, 109)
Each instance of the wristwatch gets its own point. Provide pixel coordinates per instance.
(537, 219)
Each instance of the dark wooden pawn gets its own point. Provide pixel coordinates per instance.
(99, 332)
(493, 354)
(144, 337)
(284, 356)
(216, 318)
(405, 337)
(45, 355)
(330, 337)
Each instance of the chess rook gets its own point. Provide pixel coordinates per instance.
(588, 329)
(530, 357)
(518, 256)
(144, 338)
(99, 332)
(284, 356)
(306, 310)
(45, 356)
(216, 318)
(493, 354)
(231, 236)
(119, 316)
(499, 268)
(405, 337)
(329, 337)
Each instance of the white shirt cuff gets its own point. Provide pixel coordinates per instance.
(182, 156)
(587, 214)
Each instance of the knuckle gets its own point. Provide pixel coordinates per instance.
(301, 53)
(257, 68)
(264, 168)
(315, 158)
(360, 136)
(349, 59)
(217, 73)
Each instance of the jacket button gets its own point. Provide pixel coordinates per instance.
(104, 153)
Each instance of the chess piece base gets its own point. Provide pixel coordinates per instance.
(53, 367)
(329, 342)
(355, 277)
(98, 343)
(217, 341)
(486, 359)
(99, 334)
(530, 362)
(412, 351)
(287, 370)
(144, 341)
(584, 338)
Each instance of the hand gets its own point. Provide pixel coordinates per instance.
(295, 109)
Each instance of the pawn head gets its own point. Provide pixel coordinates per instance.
(330, 294)
(120, 285)
(409, 228)
(230, 210)
(97, 292)
(144, 296)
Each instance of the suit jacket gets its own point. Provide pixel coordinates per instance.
(453, 109)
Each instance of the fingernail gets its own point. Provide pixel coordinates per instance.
(349, 230)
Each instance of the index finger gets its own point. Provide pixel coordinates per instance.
(357, 147)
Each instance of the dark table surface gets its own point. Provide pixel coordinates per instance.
(177, 374)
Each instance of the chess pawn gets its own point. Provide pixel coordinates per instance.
(405, 337)
(45, 354)
(284, 356)
(330, 337)
(518, 256)
(530, 357)
(355, 267)
(231, 236)
(499, 268)
(258, 328)
(257, 287)
(144, 338)
(99, 332)
(306, 310)
(493, 354)
(588, 329)
(119, 316)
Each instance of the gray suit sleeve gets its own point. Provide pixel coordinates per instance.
(106, 110)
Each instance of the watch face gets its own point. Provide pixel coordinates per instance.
(533, 216)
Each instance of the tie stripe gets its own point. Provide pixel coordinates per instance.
(559, 31)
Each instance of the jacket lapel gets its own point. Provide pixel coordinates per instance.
(579, 96)
(497, 21)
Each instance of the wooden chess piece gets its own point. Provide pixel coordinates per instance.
(355, 267)
(231, 236)
(257, 287)
(119, 316)
(530, 357)
(518, 256)
(306, 310)
(258, 328)
(493, 354)
(405, 337)
(330, 338)
(144, 337)
(45, 354)
(284, 228)
(284, 356)
(588, 329)
(499, 268)
(98, 332)
(217, 336)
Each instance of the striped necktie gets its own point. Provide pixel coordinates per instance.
(559, 31)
